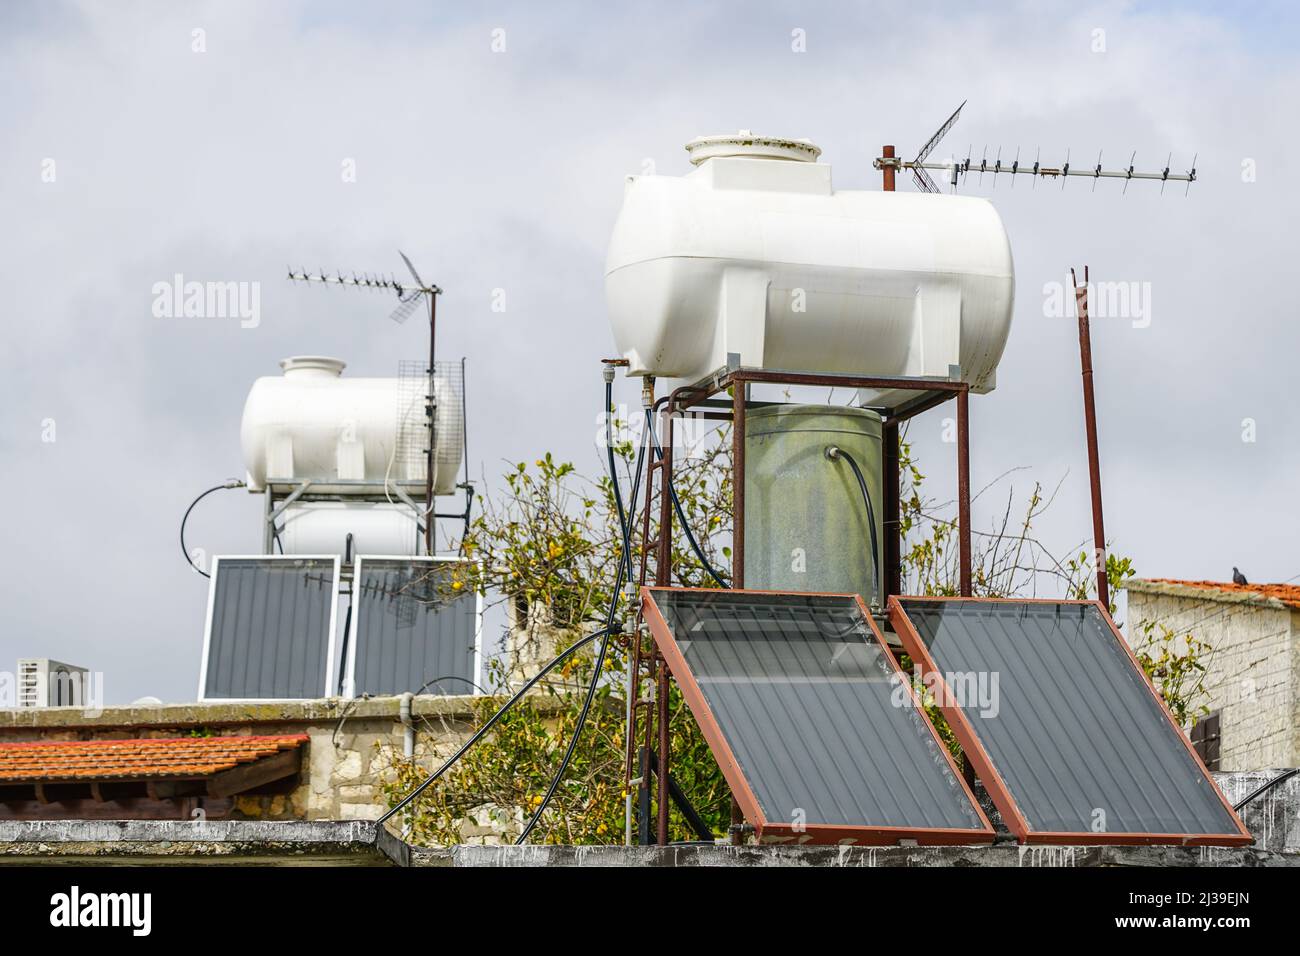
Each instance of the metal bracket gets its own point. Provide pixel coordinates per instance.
(272, 513)
(410, 502)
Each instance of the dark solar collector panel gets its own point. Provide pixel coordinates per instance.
(1065, 731)
(411, 630)
(813, 725)
(270, 628)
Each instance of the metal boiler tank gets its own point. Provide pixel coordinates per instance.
(806, 525)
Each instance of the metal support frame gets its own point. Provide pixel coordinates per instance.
(647, 742)
(273, 511)
(280, 493)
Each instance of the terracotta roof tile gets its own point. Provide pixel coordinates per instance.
(1288, 594)
(159, 759)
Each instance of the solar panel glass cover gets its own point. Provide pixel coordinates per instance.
(812, 723)
(413, 630)
(270, 633)
(1076, 747)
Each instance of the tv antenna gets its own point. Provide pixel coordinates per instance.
(889, 164)
(409, 297)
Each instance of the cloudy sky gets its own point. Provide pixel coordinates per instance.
(133, 148)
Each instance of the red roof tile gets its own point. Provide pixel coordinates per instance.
(1288, 594)
(182, 758)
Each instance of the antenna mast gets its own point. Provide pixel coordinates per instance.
(409, 297)
(888, 163)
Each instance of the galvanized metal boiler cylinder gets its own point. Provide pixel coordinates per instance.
(806, 526)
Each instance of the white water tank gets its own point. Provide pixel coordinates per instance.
(322, 527)
(349, 435)
(753, 253)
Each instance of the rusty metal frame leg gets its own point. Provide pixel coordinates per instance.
(663, 577)
(1090, 424)
(636, 761)
(737, 536)
(963, 491)
(893, 545)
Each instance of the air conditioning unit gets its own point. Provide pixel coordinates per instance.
(46, 683)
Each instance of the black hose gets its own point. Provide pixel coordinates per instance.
(833, 453)
(681, 514)
(1260, 791)
(232, 483)
(624, 567)
(482, 731)
(343, 656)
(438, 680)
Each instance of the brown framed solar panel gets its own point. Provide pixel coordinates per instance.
(815, 727)
(1073, 744)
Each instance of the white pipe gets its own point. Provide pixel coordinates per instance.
(404, 713)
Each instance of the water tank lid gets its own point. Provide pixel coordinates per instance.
(745, 143)
(319, 366)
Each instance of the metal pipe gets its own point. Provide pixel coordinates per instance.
(737, 541)
(738, 484)
(663, 577)
(663, 796)
(408, 734)
(431, 411)
(963, 491)
(1090, 423)
(629, 691)
(635, 660)
(888, 168)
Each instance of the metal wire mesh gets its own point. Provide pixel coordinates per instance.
(413, 426)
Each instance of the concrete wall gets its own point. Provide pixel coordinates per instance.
(1253, 668)
(344, 765)
(1273, 819)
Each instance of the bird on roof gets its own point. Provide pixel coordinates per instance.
(1238, 577)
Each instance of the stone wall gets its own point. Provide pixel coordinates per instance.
(1253, 668)
(352, 743)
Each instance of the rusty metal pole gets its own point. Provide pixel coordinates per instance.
(738, 484)
(888, 168)
(737, 539)
(429, 409)
(636, 758)
(663, 577)
(1090, 423)
(963, 491)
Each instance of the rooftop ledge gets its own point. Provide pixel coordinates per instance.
(362, 843)
(229, 713)
(1278, 596)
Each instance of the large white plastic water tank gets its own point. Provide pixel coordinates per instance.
(311, 423)
(753, 253)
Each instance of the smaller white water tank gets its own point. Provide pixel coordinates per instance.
(350, 435)
(322, 527)
(753, 253)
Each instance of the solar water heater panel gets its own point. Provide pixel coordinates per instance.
(814, 726)
(1061, 724)
(413, 629)
(270, 628)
